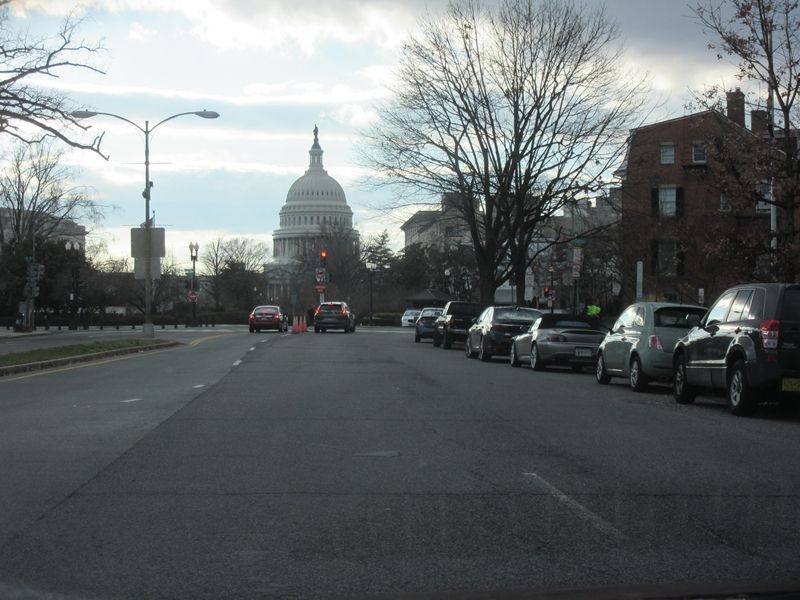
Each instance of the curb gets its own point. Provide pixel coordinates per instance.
(59, 362)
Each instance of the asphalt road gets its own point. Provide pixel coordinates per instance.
(343, 465)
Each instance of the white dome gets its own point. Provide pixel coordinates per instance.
(316, 186)
(314, 201)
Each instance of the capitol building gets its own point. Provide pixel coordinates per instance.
(314, 203)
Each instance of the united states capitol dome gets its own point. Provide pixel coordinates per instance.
(315, 200)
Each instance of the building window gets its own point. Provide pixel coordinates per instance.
(668, 154)
(666, 201)
(763, 197)
(699, 152)
(667, 257)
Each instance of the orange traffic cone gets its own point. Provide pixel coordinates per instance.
(294, 324)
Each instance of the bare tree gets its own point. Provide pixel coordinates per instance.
(516, 111)
(37, 196)
(763, 38)
(213, 264)
(29, 110)
(248, 253)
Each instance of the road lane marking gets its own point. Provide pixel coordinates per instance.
(205, 339)
(579, 509)
(380, 454)
(237, 363)
(199, 385)
(251, 349)
(131, 400)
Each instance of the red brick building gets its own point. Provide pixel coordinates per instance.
(680, 214)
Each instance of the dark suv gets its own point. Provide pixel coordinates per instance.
(451, 326)
(334, 315)
(748, 344)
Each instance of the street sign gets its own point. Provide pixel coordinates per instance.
(192, 296)
(320, 275)
(319, 289)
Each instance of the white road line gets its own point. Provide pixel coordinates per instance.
(237, 363)
(251, 349)
(131, 400)
(199, 385)
(584, 513)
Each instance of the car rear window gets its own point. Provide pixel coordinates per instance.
(520, 314)
(431, 313)
(466, 308)
(678, 317)
(573, 324)
(791, 305)
(331, 307)
(266, 311)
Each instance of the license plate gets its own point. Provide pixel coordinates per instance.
(583, 352)
(790, 384)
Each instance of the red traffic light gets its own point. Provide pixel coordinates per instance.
(323, 254)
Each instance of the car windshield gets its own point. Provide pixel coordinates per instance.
(681, 317)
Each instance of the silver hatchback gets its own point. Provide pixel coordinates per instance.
(640, 344)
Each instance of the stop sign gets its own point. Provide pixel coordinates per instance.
(192, 296)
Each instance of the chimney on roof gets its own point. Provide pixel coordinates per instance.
(736, 106)
(758, 122)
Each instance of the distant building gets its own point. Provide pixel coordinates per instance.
(315, 200)
(50, 228)
(674, 208)
(442, 227)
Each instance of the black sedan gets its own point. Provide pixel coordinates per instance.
(493, 330)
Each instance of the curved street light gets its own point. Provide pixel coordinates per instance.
(147, 328)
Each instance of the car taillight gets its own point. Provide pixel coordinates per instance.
(556, 338)
(344, 312)
(770, 331)
(654, 343)
(276, 317)
(316, 312)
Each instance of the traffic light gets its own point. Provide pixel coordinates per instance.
(323, 258)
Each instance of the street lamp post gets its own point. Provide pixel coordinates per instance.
(193, 249)
(72, 248)
(370, 269)
(147, 328)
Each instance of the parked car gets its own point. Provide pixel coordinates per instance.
(640, 343)
(267, 317)
(451, 326)
(334, 315)
(493, 330)
(558, 339)
(748, 344)
(409, 317)
(424, 325)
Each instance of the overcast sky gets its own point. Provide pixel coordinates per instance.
(273, 69)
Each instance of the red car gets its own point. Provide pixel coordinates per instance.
(268, 317)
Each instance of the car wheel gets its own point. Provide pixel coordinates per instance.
(353, 328)
(681, 390)
(252, 330)
(483, 353)
(347, 328)
(316, 329)
(436, 341)
(468, 349)
(512, 356)
(637, 379)
(447, 343)
(600, 371)
(536, 361)
(742, 399)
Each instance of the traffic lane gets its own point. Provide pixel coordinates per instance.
(355, 464)
(59, 427)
